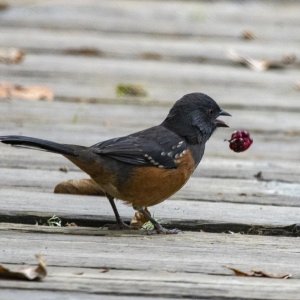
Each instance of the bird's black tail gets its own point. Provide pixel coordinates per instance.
(38, 144)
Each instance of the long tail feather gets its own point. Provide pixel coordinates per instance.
(38, 144)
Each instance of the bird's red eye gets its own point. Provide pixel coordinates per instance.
(210, 112)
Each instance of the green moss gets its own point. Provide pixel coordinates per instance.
(135, 90)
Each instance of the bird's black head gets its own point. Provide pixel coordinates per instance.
(194, 117)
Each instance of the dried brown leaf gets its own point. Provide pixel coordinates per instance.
(14, 91)
(11, 56)
(261, 65)
(3, 6)
(248, 35)
(79, 187)
(238, 272)
(138, 220)
(64, 169)
(85, 51)
(297, 85)
(104, 270)
(259, 176)
(151, 56)
(72, 224)
(30, 273)
(257, 273)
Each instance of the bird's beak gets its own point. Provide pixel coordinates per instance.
(220, 123)
(224, 113)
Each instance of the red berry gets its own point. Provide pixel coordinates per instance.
(240, 141)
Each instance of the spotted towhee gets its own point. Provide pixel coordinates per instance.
(146, 167)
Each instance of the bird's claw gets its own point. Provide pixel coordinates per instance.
(159, 229)
(118, 226)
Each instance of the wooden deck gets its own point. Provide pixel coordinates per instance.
(82, 50)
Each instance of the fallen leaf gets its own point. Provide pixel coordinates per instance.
(259, 176)
(79, 187)
(130, 90)
(151, 56)
(64, 169)
(243, 194)
(261, 65)
(72, 224)
(138, 220)
(3, 6)
(248, 35)
(148, 226)
(297, 85)
(104, 270)
(238, 272)
(257, 273)
(14, 91)
(85, 51)
(79, 273)
(11, 56)
(28, 273)
(54, 221)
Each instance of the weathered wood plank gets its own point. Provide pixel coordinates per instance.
(189, 265)
(128, 284)
(135, 259)
(183, 213)
(109, 117)
(195, 19)
(101, 44)
(31, 292)
(105, 74)
(200, 188)
(90, 89)
(277, 255)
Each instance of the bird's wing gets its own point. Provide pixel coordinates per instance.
(158, 148)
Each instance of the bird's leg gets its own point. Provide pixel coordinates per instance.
(158, 227)
(121, 224)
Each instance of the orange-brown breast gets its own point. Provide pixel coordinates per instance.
(146, 186)
(151, 185)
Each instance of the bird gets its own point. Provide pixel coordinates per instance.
(146, 167)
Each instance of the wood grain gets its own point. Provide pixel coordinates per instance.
(82, 50)
(145, 272)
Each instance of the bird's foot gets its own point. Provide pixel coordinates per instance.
(123, 226)
(159, 229)
(118, 226)
(162, 230)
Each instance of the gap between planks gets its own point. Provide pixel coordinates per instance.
(43, 41)
(187, 214)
